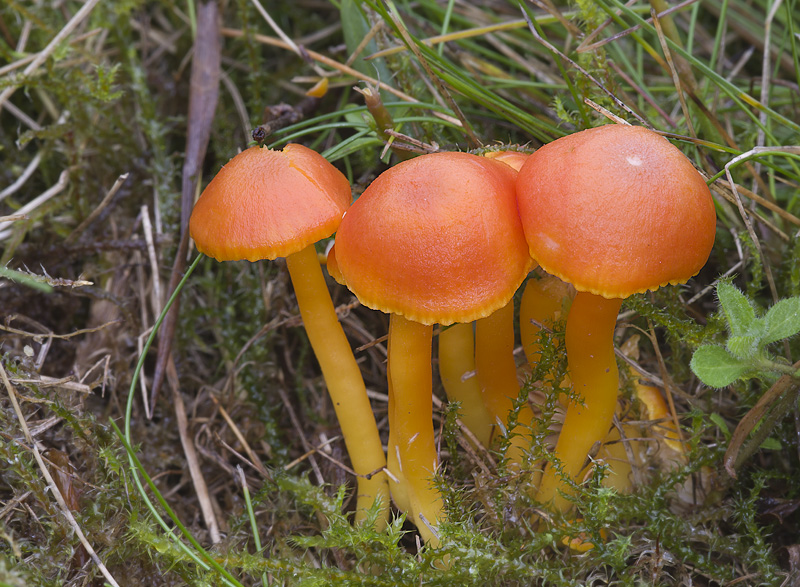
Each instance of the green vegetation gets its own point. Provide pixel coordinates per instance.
(745, 352)
(94, 133)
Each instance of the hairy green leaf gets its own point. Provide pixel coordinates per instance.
(738, 310)
(716, 367)
(743, 347)
(782, 320)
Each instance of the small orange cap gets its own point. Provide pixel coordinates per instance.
(435, 239)
(616, 210)
(266, 204)
(515, 159)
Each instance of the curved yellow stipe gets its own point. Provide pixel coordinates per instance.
(497, 375)
(457, 371)
(345, 383)
(412, 444)
(593, 368)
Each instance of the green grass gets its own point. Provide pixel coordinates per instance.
(113, 99)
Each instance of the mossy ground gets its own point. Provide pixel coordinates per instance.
(86, 269)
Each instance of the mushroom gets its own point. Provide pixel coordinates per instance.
(497, 377)
(615, 211)
(478, 369)
(545, 300)
(433, 239)
(266, 204)
(458, 375)
(651, 438)
(496, 367)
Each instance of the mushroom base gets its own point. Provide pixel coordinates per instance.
(593, 369)
(412, 456)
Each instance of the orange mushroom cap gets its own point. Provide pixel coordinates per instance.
(266, 204)
(616, 210)
(435, 239)
(333, 266)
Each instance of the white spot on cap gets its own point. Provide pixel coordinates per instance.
(634, 160)
(546, 242)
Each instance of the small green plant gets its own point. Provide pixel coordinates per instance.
(746, 353)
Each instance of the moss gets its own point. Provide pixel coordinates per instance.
(112, 99)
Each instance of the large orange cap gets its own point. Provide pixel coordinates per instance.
(266, 204)
(435, 239)
(616, 210)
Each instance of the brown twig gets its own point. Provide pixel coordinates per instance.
(412, 45)
(281, 115)
(75, 234)
(341, 68)
(204, 91)
(199, 482)
(782, 387)
(309, 450)
(255, 462)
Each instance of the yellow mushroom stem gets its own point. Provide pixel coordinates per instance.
(344, 381)
(412, 449)
(457, 371)
(543, 302)
(398, 487)
(593, 368)
(497, 377)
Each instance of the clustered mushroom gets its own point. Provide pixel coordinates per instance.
(477, 365)
(448, 238)
(267, 204)
(614, 210)
(495, 366)
(436, 239)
